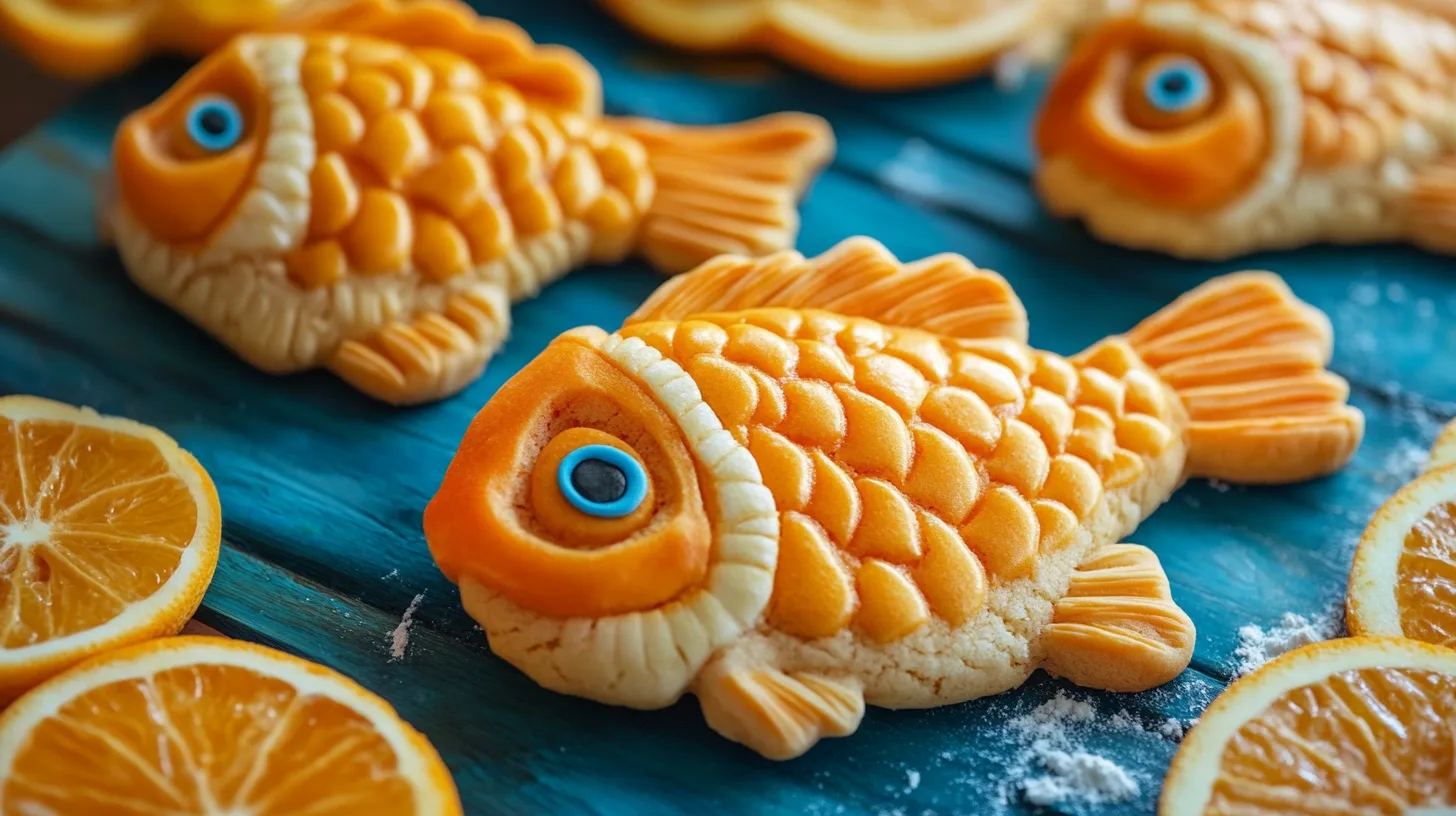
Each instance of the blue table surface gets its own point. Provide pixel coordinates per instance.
(323, 490)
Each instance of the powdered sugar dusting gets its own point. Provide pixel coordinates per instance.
(1258, 645)
(399, 638)
(1080, 775)
(1056, 765)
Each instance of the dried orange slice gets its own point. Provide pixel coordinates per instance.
(1360, 725)
(871, 44)
(216, 726)
(108, 536)
(1403, 581)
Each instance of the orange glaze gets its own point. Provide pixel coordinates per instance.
(579, 565)
(1096, 114)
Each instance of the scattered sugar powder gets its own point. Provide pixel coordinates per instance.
(912, 780)
(399, 638)
(1404, 462)
(1172, 728)
(1258, 646)
(1079, 775)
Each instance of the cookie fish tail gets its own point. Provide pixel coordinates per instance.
(1433, 207)
(1248, 359)
(76, 43)
(726, 190)
(778, 714)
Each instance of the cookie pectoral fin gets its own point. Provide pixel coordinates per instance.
(432, 357)
(1118, 628)
(726, 190)
(780, 715)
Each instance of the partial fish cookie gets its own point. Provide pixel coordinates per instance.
(370, 188)
(792, 487)
(83, 39)
(870, 44)
(1216, 128)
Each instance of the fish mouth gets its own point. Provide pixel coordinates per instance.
(630, 620)
(1145, 189)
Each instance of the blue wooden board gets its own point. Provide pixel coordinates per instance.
(323, 490)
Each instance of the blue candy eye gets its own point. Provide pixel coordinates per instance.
(1177, 86)
(215, 123)
(602, 481)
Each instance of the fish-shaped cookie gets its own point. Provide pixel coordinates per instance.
(795, 486)
(369, 188)
(868, 44)
(1214, 128)
(83, 39)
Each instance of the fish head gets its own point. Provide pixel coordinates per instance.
(597, 486)
(215, 173)
(1171, 129)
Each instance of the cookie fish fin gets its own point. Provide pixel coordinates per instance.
(1433, 207)
(547, 75)
(943, 294)
(431, 357)
(79, 44)
(1117, 628)
(780, 715)
(729, 189)
(1247, 358)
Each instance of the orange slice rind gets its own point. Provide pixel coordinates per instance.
(1359, 725)
(211, 725)
(1403, 580)
(1443, 452)
(868, 45)
(109, 535)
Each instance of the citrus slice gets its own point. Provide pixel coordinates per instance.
(213, 726)
(1443, 453)
(1403, 581)
(108, 536)
(1352, 726)
(872, 44)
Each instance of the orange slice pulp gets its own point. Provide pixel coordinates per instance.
(108, 536)
(1403, 581)
(213, 726)
(1360, 725)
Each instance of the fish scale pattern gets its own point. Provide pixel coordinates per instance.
(1367, 69)
(913, 471)
(427, 165)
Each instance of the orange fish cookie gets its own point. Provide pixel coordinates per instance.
(89, 38)
(369, 189)
(1213, 128)
(795, 486)
(871, 44)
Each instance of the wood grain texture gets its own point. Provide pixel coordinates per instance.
(322, 489)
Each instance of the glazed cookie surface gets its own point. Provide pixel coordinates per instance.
(793, 487)
(1210, 129)
(368, 189)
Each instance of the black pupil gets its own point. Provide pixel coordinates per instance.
(1175, 83)
(599, 482)
(214, 122)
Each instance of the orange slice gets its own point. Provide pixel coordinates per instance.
(1403, 581)
(214, 726)
(1443, 453)
(871, 44)
(108, 536)
(1353, 726)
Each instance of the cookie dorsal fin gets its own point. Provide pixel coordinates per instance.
(548, 75)
(943, 294)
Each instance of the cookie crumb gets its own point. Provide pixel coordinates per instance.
(399, 638)
(1079, 775)
(1258, 646)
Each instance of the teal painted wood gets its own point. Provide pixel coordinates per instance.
(322, 490)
